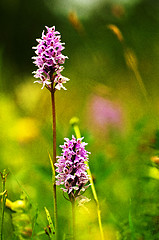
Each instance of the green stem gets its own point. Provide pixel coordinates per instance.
(74, 218)
(54, 156)
(4, 176)
(3, 206)
(74, 123)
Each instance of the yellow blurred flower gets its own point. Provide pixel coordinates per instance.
(155, 159)
(15, 206)
(25, 130)
(154, 173)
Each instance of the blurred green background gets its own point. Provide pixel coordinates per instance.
(116, 120)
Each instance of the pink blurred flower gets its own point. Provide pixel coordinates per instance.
(104, 112)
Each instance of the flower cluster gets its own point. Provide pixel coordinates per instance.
(49, 59)
(71, 166)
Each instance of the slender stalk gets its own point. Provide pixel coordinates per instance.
(73, 218)
(54, 155)
(74, 123)
(4, 176)
(3, 206)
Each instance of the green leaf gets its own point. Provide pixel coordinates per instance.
(34, 222)
(51, 226)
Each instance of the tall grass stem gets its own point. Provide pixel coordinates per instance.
(4, 176)
(132, 64)
(3, 206)
(74, 123)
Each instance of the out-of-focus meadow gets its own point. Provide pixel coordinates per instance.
(113, 50)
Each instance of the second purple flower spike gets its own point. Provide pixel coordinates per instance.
(71, 167)
(49, 59)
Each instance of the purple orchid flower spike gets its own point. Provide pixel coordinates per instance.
(71, 167)
(49, 59)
